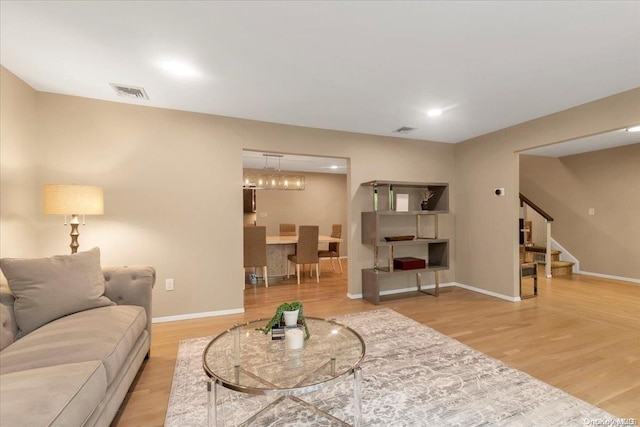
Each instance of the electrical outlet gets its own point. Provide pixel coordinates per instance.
(168, 285)
(592, 211)
(263, 214)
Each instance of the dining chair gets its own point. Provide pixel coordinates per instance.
(255, 249)
(306, 251)
(334, 247)
(287, 229)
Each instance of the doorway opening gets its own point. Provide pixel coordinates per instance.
(323, 201)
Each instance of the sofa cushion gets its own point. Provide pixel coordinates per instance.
(63, 395)
(107, 334)
(46, 289)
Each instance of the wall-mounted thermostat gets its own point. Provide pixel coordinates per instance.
(499, 191)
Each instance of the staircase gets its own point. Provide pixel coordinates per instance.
(529, 252)
(537, 254)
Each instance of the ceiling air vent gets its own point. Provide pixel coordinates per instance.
(129, 91)
(404, 129)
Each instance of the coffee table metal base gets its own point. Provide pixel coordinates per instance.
(212, 404)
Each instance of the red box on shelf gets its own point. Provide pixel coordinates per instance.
(408, 263)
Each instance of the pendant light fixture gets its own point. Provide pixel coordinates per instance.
(272, 179)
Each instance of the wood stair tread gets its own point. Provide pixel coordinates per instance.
(541, 249)
(561, 268)
(561, 263)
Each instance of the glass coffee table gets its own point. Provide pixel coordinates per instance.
(248, 361)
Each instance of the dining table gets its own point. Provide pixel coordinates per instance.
(292, 240)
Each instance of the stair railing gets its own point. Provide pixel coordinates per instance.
(548, 219)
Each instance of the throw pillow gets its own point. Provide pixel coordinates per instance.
(46, 289)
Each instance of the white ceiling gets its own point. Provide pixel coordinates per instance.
(360, 66)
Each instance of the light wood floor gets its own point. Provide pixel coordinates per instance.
(580, 334)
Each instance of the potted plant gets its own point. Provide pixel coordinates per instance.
(287, 307)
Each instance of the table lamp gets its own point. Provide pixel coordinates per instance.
(74, 200)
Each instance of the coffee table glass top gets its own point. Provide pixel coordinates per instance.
(247, 360)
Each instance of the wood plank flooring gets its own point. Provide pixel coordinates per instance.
(581, 334)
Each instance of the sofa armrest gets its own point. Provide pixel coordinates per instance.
(130, 285)
(8, 325)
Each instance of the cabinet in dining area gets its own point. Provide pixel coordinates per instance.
(249, 200)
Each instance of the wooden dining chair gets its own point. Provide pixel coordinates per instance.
(334, 247)
(287, 229)
(255, 249)
(306, 251)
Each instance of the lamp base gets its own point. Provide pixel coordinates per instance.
(75, 222)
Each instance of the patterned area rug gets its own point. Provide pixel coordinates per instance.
(412, 376)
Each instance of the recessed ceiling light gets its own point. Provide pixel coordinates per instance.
(334, 167)
(179, 69)
(434, 112)
(634, 129)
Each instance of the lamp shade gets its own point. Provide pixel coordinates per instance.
(73, 200)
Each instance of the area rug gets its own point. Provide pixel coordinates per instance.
(412, 376)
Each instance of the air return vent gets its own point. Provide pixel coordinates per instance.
(404, 129)
(129, 91)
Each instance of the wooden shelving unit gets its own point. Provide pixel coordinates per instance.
(385, 221)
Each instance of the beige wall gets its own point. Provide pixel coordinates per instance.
(486, 225)
(19, 209)
(171, 183)
(608, 181)
(323, 202)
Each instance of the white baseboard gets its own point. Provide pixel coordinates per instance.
(608, 276)
(358, 296)
(413, 288)
(403, 290)
(490, 293)
(196, 315)
(444, 285)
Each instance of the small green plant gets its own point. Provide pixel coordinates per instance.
(277, 318)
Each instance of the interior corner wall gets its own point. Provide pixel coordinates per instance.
(487, 226)
(608, 181)
(19, 209)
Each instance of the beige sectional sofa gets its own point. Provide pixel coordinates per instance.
(74, 365)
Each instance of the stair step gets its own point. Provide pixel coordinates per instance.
(540, 249)
(561, 268)
(561, 263)
(537, 254)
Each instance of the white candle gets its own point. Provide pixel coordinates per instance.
(294, 338)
